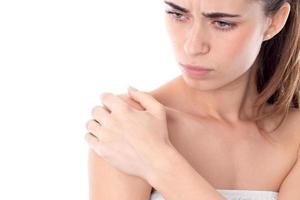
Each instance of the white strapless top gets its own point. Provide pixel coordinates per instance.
(235, 195)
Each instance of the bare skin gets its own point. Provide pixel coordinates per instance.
(209, 116)
(230, 157)
(230, 52)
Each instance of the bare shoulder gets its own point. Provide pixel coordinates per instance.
(106, 182)
(163, 94)
(158, 94)
(144, 188)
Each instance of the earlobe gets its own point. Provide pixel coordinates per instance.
(267, 28)
(267, 37)
(269, 33)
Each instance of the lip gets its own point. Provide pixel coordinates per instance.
(194, 67)
(195, 71)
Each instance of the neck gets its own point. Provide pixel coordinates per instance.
(231, 103)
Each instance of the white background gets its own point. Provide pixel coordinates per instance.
(56, 58)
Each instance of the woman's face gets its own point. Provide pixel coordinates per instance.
(228, 45)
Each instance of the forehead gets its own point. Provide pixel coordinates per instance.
(247, 9)
(215, 5)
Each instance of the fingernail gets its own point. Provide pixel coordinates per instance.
(133, 88)
(103, 95)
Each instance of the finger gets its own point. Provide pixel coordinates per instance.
(94, 127)
(91, 139)
(100, 114)
(113, 102)
(145, 99)
(95, 144)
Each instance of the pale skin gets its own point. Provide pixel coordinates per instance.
(199, 41)
(196, 41)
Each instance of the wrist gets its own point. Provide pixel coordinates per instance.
(163, 165)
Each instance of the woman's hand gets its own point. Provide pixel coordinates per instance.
(131, 140)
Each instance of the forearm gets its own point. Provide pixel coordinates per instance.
(176, 179)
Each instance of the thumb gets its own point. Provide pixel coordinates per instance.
(146, 100)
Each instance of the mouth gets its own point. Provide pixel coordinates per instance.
(195, 71)
(195, 67)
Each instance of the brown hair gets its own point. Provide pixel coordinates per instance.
(278, 77)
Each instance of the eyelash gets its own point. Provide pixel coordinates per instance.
(176, 16)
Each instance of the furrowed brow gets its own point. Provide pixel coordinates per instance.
(214, 15)
(177, 7)
(211, 15)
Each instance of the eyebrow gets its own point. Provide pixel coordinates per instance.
(211, 15)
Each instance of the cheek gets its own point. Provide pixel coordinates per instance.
(243, 49)
(176, 34)
(238, 43)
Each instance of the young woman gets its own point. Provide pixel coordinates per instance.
(226, 128)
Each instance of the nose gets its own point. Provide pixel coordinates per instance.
(195, 43)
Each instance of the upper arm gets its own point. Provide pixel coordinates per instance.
(106, 182)
(290, 187)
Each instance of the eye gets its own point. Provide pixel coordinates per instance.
(176, 15)
(225, 25)
(222, 25)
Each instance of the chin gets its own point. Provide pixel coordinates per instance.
(197, 84)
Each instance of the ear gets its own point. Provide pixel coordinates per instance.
(278, 21)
